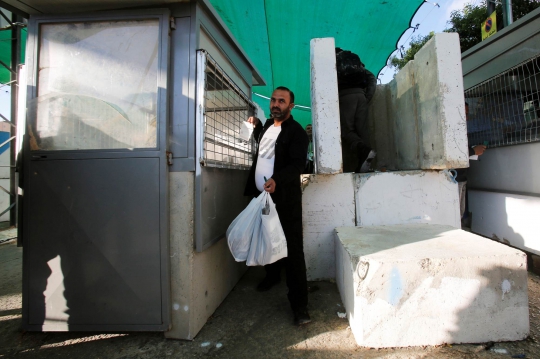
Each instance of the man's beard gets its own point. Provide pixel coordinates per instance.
(277, 113)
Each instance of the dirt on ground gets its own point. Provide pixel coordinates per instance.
(248, 324)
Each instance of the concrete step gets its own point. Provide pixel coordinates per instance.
(427, 284)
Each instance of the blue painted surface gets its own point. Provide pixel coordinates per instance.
(4, 136)
(396, 287)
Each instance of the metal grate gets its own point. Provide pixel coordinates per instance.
(226, 107)
(504, 110)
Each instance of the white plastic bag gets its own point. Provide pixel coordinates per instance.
(269, 245)
(241, 230)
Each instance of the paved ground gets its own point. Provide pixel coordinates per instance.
(247, 325)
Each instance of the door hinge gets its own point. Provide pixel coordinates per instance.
(169, 158)
(172, 23)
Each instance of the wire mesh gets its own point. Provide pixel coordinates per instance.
(226, 107)
(504, 109)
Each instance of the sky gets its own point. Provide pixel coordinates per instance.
(431, 18)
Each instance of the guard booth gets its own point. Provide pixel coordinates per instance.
(132, 165)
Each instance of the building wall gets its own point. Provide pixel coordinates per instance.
(199, 281)
(504, 185)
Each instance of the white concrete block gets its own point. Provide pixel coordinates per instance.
(441, 103)
(406, 197)
(327, 203)
(418, 284)
(508, 218)
(325, 107)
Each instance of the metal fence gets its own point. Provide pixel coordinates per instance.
(226, 107)
(505, 109)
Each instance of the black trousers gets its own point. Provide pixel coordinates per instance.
(290, 216)
(355, 134)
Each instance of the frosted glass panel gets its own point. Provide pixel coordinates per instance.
(97, 86)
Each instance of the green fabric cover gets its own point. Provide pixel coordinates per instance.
(275, 34)
(5, 53)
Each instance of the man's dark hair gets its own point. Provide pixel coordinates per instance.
(291, 94)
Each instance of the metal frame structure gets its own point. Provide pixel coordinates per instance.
(16, 23)
(225, 108)
(223, 158)
(505, 109)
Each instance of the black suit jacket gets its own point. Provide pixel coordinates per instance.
(290, 161)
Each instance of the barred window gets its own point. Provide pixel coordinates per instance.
(225, 108)
(504, 109)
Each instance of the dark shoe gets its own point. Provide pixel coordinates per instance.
(301, 317)
(267, 284)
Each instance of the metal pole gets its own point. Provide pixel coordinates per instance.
(490, 7)
(508, 17)
(15, 60)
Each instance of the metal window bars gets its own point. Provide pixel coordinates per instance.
(224, 109)
(505, 109)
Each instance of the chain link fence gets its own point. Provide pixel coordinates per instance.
(504, 109)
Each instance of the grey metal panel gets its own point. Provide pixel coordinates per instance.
(183, 165)
(227, 46)
(180, 140)
(109, 250)
(69, 6)
(222, 199)
(255, 74)
(507, 48)
(131, 168)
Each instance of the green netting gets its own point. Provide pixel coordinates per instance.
(5, 53)
(275, 34)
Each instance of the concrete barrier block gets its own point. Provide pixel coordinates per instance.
(441, 103)
(380, 118)
(405, 125)
(325, 107)
(327, 203)
(406, 197)
(421, 284)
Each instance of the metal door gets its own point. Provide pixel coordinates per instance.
(95, 223)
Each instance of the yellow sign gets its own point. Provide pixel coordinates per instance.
(489, 27)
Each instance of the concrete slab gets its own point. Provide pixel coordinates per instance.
(381, 119)
(424, 125)
(406, 197)
(327, 203)
(405, 126)
(325, 107)
(441, 103)
(420, 284)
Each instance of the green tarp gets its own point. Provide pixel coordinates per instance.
(275, 34)
(5, 53)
